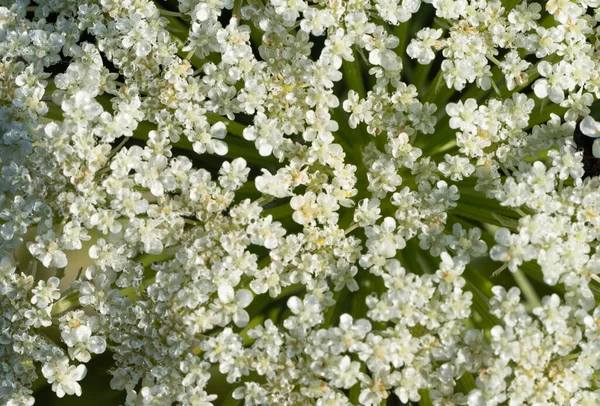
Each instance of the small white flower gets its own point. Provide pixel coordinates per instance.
(49, 254)
(266, 233)
(46, 292)
(232, 304)
(512, 248)
(64, 377)
(421, 49)
(233, 175)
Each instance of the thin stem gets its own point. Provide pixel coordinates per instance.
(495, 87)
(498, 271)
(493, 59)
(441, 23)
(521, 212)
(352, 227)
(527, 289)
(594, 277)
(117, 148)
(354, 79)
(190, 54)
(264, 200)
(171, 13)
(434, 87)
(237, 9)
(67, 302)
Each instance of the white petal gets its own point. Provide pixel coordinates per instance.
(226, 293)
(83, 333)
(219, 147)
(59, 390)
(386, 247)
(503, 236)
(218, 130)
(241, 318)
(156, 188)
(452, 109)
(295, 304)
(271, 242)
(53, 282)
(556, 94)
(540, 88)
(80, 373)
(545, 69)
(97, 345)
(60, 259)
(596, 148)
(590, 127)
(264, 149)
(243, 298)
(352, 285)
(238, 164)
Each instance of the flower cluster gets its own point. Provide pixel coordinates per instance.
(293, 202)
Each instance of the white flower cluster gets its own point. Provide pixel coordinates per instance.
(275, 196)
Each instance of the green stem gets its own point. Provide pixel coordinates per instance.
(353, 75)
(237, 9)
(482, 308)
(342, 136)
(401, 31)
(66, 303)
(256, 320)
(478, 281)
(170, 13)
(527, 289)
(476, 213)
(421, 73)
(352, 227)
(425, 399)
(434, 87)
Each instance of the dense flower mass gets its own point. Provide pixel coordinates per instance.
(292, 202)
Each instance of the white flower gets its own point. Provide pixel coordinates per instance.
(556, 80)
(233, 175)
(360, 110)
(374, 391)
(456, 167)
(119, 150)
(266, 233)
(46, 292)
(64, 377)
(383, 240)
(338, 46)
(78, 336)
(367, 212)
(232, 304)
(463, 115)
(450, 271)
(421, 49)
(274, 185)
(514, 68)
(307, 313)
(512, 248)
(346, 373)
(49, 254)
(265, 133)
